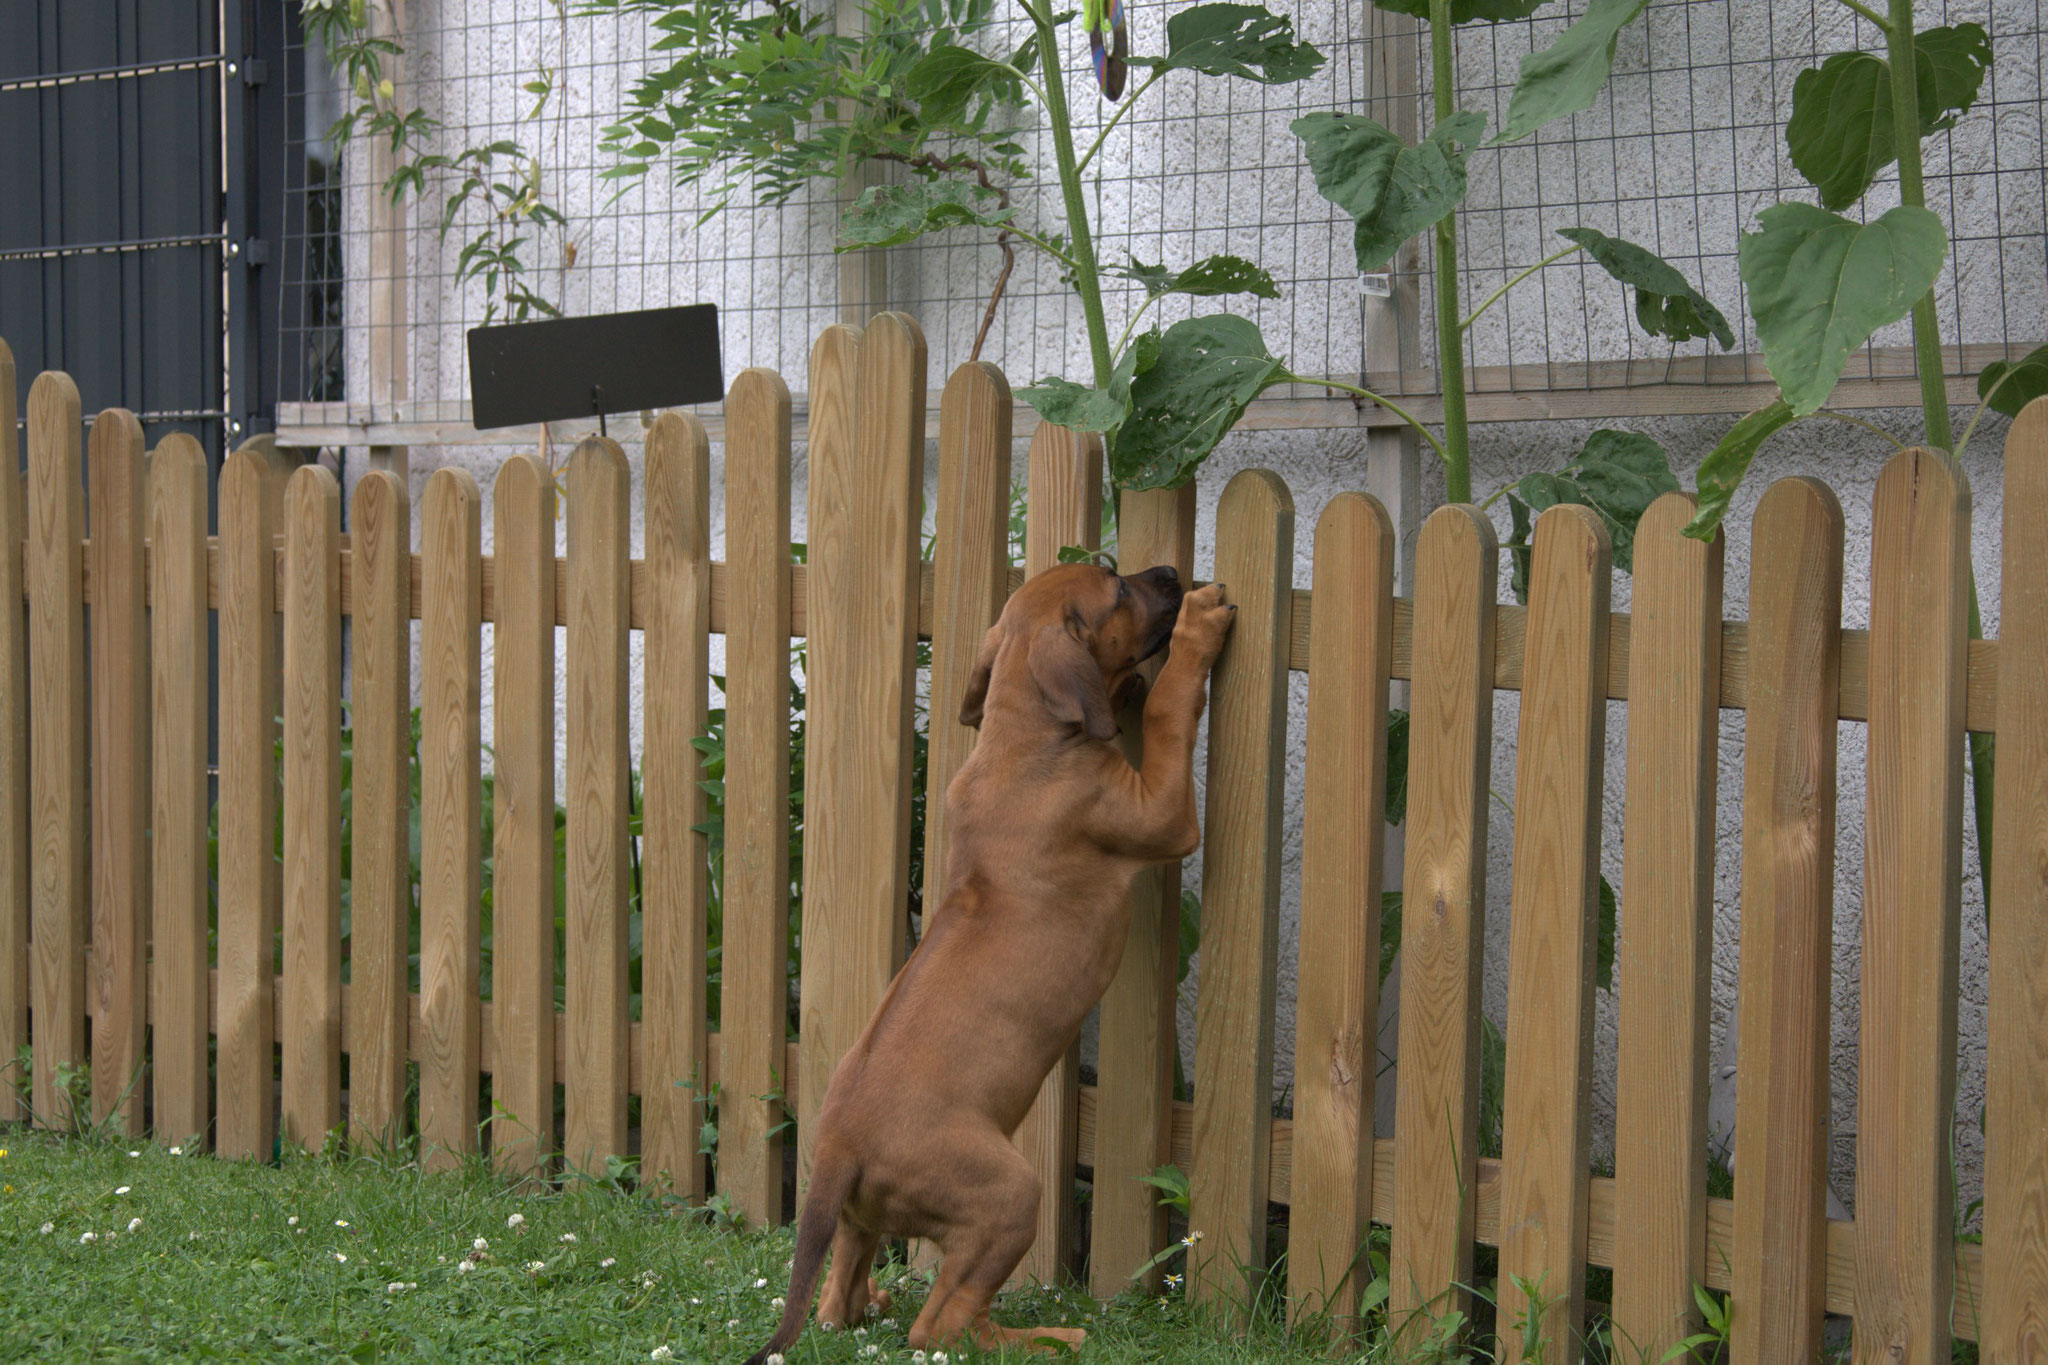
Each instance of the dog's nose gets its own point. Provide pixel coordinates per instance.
(1164, 575)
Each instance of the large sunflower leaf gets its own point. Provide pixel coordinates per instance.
(1841, 133)
(1391, 189)
(887, 215)
(1616, 473)
(1819, 285)
(1666, 303)
(1236, 40)
(2009, 385)
(1205, 373)
(1084, 409)
(1210, 277)
(1722, 471)
(1567, 76)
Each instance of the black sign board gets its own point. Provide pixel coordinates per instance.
(587, 367)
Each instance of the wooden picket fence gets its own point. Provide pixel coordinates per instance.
(105, 896)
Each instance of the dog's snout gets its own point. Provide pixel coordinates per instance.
(1162, 575)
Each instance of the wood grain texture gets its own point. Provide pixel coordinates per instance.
(311, 1094)
(1136, 1038)
(2016, 1081)
(675, 892)
(116, 987)
(1546, 1138)
(1336, 1019)
(866, 477)
(598, 796)
(14, 779)
(1665, 955)
(1063, 506)
(180, 883)
(523, 817)
(1241, 832)
(451, 817)
(1912, 910)
(1443, 928)
(251, 886)
(1779, 1251)
(754, 985)
(380, 876)
(60, 890)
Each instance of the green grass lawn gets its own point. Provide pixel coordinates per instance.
(119, 1251)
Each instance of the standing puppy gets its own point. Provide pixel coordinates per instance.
(1048, 825)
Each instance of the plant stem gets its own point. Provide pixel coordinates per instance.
(1465, 325)
(1897, 444)
(1450, 336)
(1087, 281)
(1289, 377)
(1884, 25)
(1118, 117)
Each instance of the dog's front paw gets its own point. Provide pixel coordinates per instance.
(1205, 619)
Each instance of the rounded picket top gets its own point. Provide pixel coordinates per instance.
(53, 395)
(378, 494)
(1254, 493)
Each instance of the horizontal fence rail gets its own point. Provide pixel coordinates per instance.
(106, 899)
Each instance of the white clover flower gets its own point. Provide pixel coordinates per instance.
(607, 1263)
(874, 1309)
(134, 1223)
(87, 1238)
(123, 1189)
(395, 1287)
(938, 1358)
(135, 1154)
(567, 1237)
(778, 1304)
(516, 1221)
(871, 1351)
(292, 1221)
(775, 1359)
(47, 1228)
(862, 1331)
(732, 1325)
(661, 1353)
(917, 1358)
(760, 1284)
(479, 1245)
(464, 1266)
(535, 1267)
(192, 1236)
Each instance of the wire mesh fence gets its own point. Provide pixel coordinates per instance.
(1678, 153)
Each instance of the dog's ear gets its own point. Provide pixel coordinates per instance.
(1071, 682)
(977, 685)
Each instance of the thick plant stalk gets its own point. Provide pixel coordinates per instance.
(1450, 336)
(1933, 391)
(1087, 280)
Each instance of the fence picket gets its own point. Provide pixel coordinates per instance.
(1336, 1050)
(1063, 506)
(1443, 924)
(675, 896)
(1779, 1251)
(599, 797)
(380, 875)
(179, 988)
(523, 816)
(1664, 959)
(1546, 1142)
(1241, 892)
(754, 982)
(120, 747)
(451, 816)
(866, 481)
(57, 732)
(311, 1093)
(2015, 1296)
(1136, 1044)
(251, 888)
(1912, 910)
(14, 723)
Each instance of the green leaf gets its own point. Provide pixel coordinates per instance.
(1207, 370)
(1521, 527)
(1603, 950)
(1616, 473)
(1392, 190)
(887, 215)
(1841, 133)
(1075, 406)
(2028, 380)
(1390, 932)
(1721, 472)
(949, 78)
(1235, 40)
(1397, 766)
(1666, 303)
(1210, 277)
(1567, 76)
(1819, 285)
(1466, 11)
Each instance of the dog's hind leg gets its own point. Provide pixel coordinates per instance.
(849, 1288)
(980, 1252)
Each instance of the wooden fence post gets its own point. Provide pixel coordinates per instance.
(14, 780)
(380, 886)
(311, 1094)
(118, 988)
(1912, 910)
(523, 815)
(1351, 647)
(599, 801)
(250, 883)
(1779, 1256)
(180, 981)
(1241, 895)
(866, 477)
(1664, 959)
(451, 818)
(1443, 923)
(754, 988)
(1136, 1037)
(675, 895)
(1063, 507)
(57, 725)
(2015, 1294)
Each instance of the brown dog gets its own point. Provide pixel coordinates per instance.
(1049, 825)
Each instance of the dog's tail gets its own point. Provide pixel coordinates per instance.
(831, 1182)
